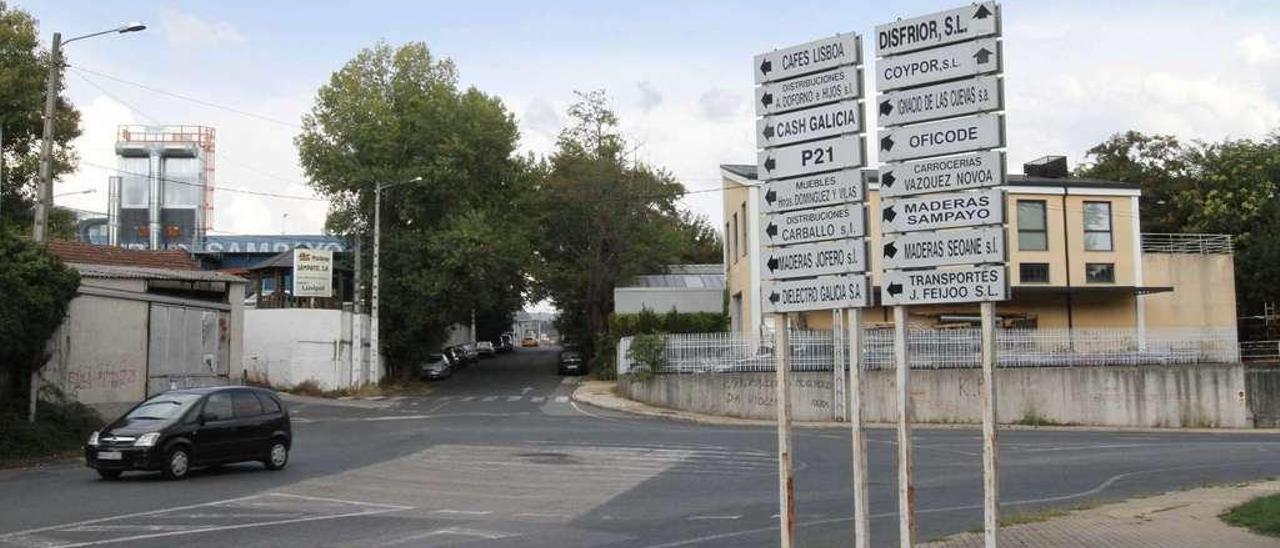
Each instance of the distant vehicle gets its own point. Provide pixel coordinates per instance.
(506, 342)
(177, 430)
(485, 349)
(571, 361)
(436, 366)
(469, 350)
(457, 356)
(528, 342)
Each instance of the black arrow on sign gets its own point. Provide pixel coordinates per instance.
(886, 108)
(888, 214)
(982, 13)
(771, 230)
(895, 288)
(766, 99)
(886, 143)
(773, 297)
(890, 250)
(770, 196)
(983, 55)
(768, 132)
(766, 65)
(773, 264)
(887, 179)
(769, 164)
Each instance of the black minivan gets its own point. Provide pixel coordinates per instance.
(179, 429)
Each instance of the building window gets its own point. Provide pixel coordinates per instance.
(1033, 226)
(728, 252)
(1097, 226)
(744, 249)
(736, 249)
(1033, 273)
(1100, 273)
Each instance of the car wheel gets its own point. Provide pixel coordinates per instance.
(177, 464)
(110, 474)
(278, 456)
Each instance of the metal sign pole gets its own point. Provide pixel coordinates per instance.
(837, 364)
(906, 491)
(861, 499)
(786, 479)
(990, 443)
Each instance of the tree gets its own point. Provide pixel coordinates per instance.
(605, 219)
(453, 242)
(23, 72)
(38, 288)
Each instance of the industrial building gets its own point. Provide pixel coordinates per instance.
(162, 197)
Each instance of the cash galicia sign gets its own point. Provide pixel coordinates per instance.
(807, 125)
(312, 273)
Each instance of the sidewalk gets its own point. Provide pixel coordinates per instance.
(1183, 518)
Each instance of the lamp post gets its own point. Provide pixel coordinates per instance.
(44, 200)
(375, 360)
(75, 193)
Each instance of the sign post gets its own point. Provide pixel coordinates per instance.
(942, 219)
(814, 225)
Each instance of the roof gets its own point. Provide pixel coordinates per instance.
(678, 281)
(749, 172)
(741, 170)
(83, 253)
(715, 269)
(145, 273)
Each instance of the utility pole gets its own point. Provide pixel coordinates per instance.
(374, 356)
(44, 198)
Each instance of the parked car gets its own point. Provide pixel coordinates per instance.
(485, 349)
(528, 342)
(506, 343)
(469, 351)
(436, 366)
(180, 429)
(571, 361)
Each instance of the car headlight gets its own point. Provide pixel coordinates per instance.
(93, 439)
(147, 440)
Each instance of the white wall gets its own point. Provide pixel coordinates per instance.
(287, 346)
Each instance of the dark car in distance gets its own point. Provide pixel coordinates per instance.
(177, 430)
(436, 366)
(571, 360)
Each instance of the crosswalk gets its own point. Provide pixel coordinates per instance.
(493, 398)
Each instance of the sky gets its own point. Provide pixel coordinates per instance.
(678, 72)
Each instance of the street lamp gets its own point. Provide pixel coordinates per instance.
(375, 359)
(77, 192)
(45, 199)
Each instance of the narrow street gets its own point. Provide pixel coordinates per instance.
(499, 455)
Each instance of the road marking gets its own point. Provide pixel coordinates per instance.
(541, 515)
(515, 398)
(538, 399)
(696, 518)
(489, 398)
(526, 390)
(468, 398)
(340, 501)
(463, 512)
(562, 399)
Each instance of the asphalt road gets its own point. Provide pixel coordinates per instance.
(499, 456)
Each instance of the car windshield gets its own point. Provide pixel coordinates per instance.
(162, 407)
(435, 358)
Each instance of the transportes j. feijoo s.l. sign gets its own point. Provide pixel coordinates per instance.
(830, 154)
(809, 124)
(953, 136)
(951, 285)
(943, 248)
(937, 29)
(939, 211)
(820, 259)
(822, 293)
(823, 189)
(938, 65)
(965, 172)
(833, 51)
(946, 100)
(814, 225)
(828, 86)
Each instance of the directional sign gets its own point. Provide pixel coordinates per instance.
(837, 84)
(938, 29)
(944, 248)
(829, 154)
(822, 293)
(938, 65)
(810, 124)
(825, 189)
(943, 137)
(814, 225)
(841, 49)
(967, 172)
(947, 100)
(956, 285)
(937, 211)
(820, 259)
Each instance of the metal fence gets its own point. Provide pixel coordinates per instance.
(950, 348)
(1186, 243)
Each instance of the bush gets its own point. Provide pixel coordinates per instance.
(647, 352)
(603, 362)
(62, 427)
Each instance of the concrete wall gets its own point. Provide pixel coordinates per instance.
(288, 346)
(99, 355)
(1147, 396)
(631, 300)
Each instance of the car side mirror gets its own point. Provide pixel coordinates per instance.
(206, 417)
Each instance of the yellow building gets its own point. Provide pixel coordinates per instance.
(1077, 259)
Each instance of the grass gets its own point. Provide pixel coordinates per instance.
(388, 387)
(1260, 515)
(1035, 419)
(1037, 516)
(60, 430)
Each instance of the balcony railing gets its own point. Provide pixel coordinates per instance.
(1201, 244)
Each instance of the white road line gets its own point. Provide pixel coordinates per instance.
(515, 398)
(463, 512)
(123, 516)
(340, 501)
(541, 515)
(489, 398)
(526, 390)
(696, 518)
(129, 528)
(562, 399)
(468, 398)
(538, 399)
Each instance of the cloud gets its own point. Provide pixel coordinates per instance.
(1258, 50)
(649, 96)
(719, 104)
(96, 146)
(186, 30)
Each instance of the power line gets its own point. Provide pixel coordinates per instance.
(201, 102)
(215, 189)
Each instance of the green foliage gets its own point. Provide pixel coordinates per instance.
(1227, 188)
(23, 70)
(61, 427)
(647, 322)
(451, 244)
(1260, 515)
(38, 288)
(647, 353)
